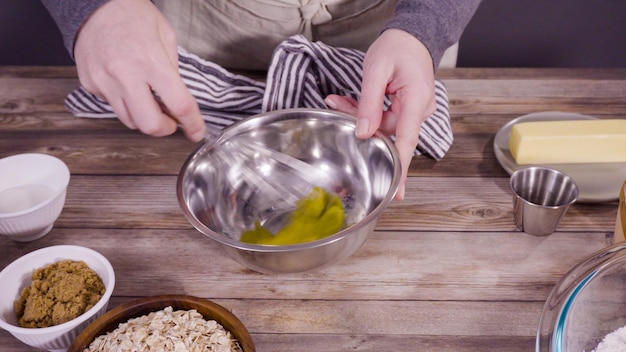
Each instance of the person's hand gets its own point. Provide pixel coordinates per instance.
(399, 65)
(126, 53)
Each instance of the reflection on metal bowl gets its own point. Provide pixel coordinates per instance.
(256, 169)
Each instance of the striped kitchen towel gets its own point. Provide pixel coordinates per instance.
(301, 75)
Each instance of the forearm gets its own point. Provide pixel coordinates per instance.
(436, 23)
(69, 16)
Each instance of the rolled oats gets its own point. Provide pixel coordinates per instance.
(167, 330)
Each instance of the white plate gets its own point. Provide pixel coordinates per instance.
(596, 182)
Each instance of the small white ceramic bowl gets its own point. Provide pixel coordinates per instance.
(17, 275)
(32, 194)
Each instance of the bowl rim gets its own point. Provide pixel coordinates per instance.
(535, 168)
(554, 312)
(64, 183)
(104, 300)
(145, 305)
(274, 116)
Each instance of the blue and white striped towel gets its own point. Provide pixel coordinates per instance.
(301, 75)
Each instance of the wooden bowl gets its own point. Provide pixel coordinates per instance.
(143, 306)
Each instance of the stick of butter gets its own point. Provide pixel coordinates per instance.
(568, 141)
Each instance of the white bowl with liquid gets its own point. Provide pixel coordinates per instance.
(32, 194)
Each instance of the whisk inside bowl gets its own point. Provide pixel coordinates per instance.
(279, 178)
(276, 177)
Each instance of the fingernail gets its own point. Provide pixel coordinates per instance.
(330, 103)
(362, 127)
(197, 135)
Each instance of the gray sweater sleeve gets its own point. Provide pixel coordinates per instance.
(436, 23)
(69, 15)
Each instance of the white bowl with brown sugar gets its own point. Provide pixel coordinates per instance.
(74, 295)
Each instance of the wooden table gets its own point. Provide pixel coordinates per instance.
(445, 270)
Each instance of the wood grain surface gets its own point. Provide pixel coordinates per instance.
(445, 270)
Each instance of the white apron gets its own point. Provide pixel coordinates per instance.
(242, 34)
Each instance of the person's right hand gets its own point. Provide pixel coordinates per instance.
(125, 53)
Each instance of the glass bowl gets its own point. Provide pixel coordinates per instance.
(588, 303)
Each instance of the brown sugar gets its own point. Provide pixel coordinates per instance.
(58, 293)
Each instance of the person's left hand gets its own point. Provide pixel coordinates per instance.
(400, 66)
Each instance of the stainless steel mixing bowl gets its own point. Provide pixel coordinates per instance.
(255, 169)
